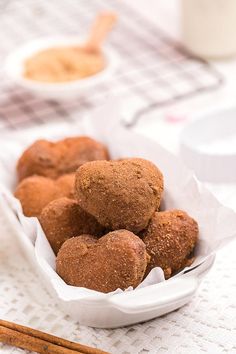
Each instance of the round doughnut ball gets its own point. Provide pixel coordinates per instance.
(66, 185)
(63, 218)
(34, 193)
(170, 238)
(80, 150)
(41, 158)
(53, 159)
(116, 260)
(122, 194)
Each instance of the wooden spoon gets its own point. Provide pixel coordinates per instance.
(102, 26)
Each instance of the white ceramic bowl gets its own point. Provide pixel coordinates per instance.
(119, 309)
(155, 299)
(208, 146)
(122, 309)
(14, 69)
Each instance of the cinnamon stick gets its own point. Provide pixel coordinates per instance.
(40, 342)
(24, 341)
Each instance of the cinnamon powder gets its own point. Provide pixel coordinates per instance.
(61, 64)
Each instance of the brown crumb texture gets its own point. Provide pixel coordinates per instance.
(116, 260)
(122, 194)
(53, 159)
(79, 151)
(170, 239)
(66, 185)
(41, 158)
(63, 218)
(35, 192)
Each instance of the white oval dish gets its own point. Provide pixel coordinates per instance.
(14, 69)
(156, 297)
(108, 310)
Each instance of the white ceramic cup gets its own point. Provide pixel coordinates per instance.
(209, 27)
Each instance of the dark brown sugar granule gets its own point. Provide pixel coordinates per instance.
(170, 238)
(35, 192)
(116, 260)
(122, 194)
(53, 159)
(63, 218)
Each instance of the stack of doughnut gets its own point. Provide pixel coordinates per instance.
(102, 217)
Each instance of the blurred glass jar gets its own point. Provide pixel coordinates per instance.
(209, 27)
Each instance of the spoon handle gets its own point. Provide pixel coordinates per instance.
(100, 29)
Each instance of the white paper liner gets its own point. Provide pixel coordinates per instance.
(217, 224)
